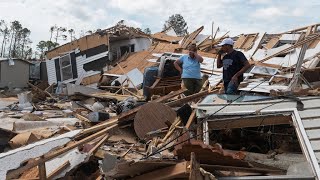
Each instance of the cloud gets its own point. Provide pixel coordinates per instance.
(266, 13)
(236, 16)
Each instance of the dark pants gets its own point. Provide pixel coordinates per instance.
(230, 87)
(193, 85)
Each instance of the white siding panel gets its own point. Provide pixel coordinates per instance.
(51, 70)
(81, 60)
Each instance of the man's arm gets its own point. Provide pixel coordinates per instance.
(242, 70)
(198, 57)
(177, 65)
(246, 66)
(219, 61)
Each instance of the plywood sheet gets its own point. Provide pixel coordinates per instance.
(86, 42)
(249, 42)
(151, 117)
(273, 41)
(164, 37)
(239, 41)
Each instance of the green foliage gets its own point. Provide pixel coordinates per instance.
(178, 23)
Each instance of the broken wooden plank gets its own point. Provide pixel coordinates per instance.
(129, 114)
(252, 121)
(308, 39)
(152, 116)
(58, 170)
(42, 169)
(187, 99)
(171, 172)
(95, 148)
(210, 168)
(191, 119)
(194, 168)
(40, 90)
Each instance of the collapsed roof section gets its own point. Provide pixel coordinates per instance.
(101, 37)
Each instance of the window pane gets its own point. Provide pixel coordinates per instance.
(65, 61)
(66, 73)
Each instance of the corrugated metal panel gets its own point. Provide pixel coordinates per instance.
(51, 70)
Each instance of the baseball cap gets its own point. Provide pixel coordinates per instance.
(225, 41)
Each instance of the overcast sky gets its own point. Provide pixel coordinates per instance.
(236, 16)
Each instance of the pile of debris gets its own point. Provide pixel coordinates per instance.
(125, 124)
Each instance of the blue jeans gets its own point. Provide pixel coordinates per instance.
(230, 87)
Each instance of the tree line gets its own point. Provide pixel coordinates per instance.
(16, 42)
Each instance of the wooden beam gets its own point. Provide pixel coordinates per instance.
(128, 78)
(40, 90)
(129, 114)
(95, 148)
(58, 170)
(248, 122)
(308, 39)
(188, 98)
(194, 168)
(42, 169)
(171, 172)
(191, 119)
(242, 169)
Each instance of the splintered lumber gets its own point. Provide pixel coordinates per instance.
(129, 114)
(42, 169)
(300, 43)
(152, 116)
(189, 38)
(191, 118)
(243, 169)
(95, 148)
(128, 78)
(176, 171)
(44, 93)
(58, 170)
(194, 168)
(51, 155)
(187, 99)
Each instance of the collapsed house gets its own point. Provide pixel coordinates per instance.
(139, 125)
(85, 57)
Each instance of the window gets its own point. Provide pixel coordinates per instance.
(66, 67)
(125, 49)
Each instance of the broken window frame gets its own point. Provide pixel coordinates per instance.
(62, 68)
(304, 142)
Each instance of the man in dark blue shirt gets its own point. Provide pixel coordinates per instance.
(234, 64)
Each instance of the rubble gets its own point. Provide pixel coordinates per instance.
(132, 120)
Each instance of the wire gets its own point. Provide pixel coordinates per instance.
(181, 134)
(164, 146)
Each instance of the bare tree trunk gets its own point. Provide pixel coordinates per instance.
(51, 35)
(22, 50)
(15, 45)
(57, 35)
(4, 38)
(11, 43)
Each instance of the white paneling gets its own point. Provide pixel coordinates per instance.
(51, 70)
(313, 134)
(309, 113)
(311, 123)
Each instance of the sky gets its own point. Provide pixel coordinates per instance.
(236, 16)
